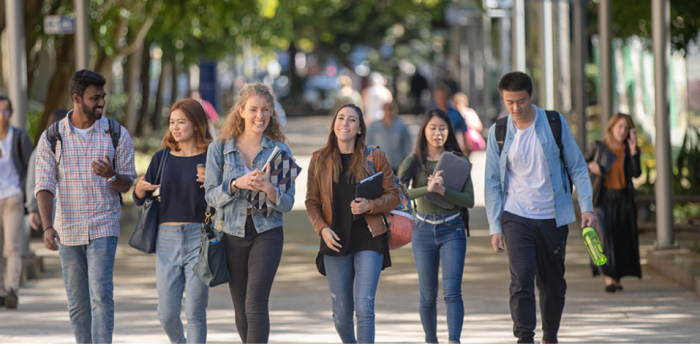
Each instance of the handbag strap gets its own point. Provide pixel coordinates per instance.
(161, 165)
(207, 219)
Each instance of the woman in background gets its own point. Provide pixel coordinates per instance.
(616, 160)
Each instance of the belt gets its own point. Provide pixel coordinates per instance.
(438, 222)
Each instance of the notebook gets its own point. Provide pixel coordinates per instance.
(283, 171)
(456, 169)
(369, 188)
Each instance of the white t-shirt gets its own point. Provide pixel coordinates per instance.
(529, 193)
(83, 132)
(9, 179)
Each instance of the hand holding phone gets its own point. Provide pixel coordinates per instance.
(632, 141)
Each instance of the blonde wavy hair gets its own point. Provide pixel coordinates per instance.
(235, 124)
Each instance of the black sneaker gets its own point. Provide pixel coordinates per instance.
(11, 300)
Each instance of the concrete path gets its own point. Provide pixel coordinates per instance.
(650, 310)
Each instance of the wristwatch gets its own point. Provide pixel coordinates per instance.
(233, 184)
(112, 178)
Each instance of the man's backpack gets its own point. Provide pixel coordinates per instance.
(114, 132)
(554, 121)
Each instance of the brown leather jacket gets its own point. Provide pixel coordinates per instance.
(319, 191)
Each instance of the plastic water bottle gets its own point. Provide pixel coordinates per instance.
(594, 247)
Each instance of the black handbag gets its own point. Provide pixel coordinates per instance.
(211, 267)
(144, 236)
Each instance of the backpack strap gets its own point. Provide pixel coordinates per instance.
(554, 120)
(115, 131)
(501, 132)
(369, 154)
(53, 135)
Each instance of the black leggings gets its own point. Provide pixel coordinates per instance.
(253, 261)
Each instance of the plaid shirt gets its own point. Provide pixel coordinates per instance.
(87, 206)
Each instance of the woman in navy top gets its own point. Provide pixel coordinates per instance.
(182, 209)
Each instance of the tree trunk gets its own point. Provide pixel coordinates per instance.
(158, 111)
(132, 91)
(173, 86)
(144, 127)
(295, 88)
(57, 95)
(103, 65)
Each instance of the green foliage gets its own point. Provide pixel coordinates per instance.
(34, 117)
(687, 173)
(633, 18)
(686, 212)
(696, 246)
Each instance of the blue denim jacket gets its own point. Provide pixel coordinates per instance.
(496, 168)
(225, 163)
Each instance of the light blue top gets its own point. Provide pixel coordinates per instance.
(496, 169)
(225, 163)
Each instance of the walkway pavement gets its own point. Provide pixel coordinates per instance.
(650, 310)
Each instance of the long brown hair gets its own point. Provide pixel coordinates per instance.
(613, 120)
(195, 114)
(330, 151)
(420, 154)
(235, 124)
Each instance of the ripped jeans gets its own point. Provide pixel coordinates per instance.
(362, 269)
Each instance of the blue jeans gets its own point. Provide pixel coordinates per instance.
(88, 273)
(432, 244)
(177, 251)
(362, 268)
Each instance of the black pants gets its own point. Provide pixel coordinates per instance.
(253, 261)
(536, 249)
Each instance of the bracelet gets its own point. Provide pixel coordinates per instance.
(48, 228)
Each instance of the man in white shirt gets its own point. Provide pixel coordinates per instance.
(15, 150)
(528, 202)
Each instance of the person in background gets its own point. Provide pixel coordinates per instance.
(15, 150)
(441, 97)
(418, 85)
(346, 94)
(352, 252)
(181, 213)
(391, 135)
(209, 110)
(281, 115)
(439, 234)
(374, 97)
(616, 207)
(253, 240)
(475, 141)
(31, 202)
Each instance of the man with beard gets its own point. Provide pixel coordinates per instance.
(81, 166)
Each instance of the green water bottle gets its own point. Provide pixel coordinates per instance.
(594, 247)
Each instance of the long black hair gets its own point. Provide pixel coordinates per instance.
(420, 154)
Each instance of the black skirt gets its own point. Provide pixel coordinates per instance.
(617, 215)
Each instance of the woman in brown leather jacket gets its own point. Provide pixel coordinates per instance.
(351, 250)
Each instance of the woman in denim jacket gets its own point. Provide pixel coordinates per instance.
(439, 234)
(181, 213)
(235, 168)
(353, 252)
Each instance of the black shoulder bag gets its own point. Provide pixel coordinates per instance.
(144, 236)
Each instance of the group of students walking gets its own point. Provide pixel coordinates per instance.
(82, 169)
